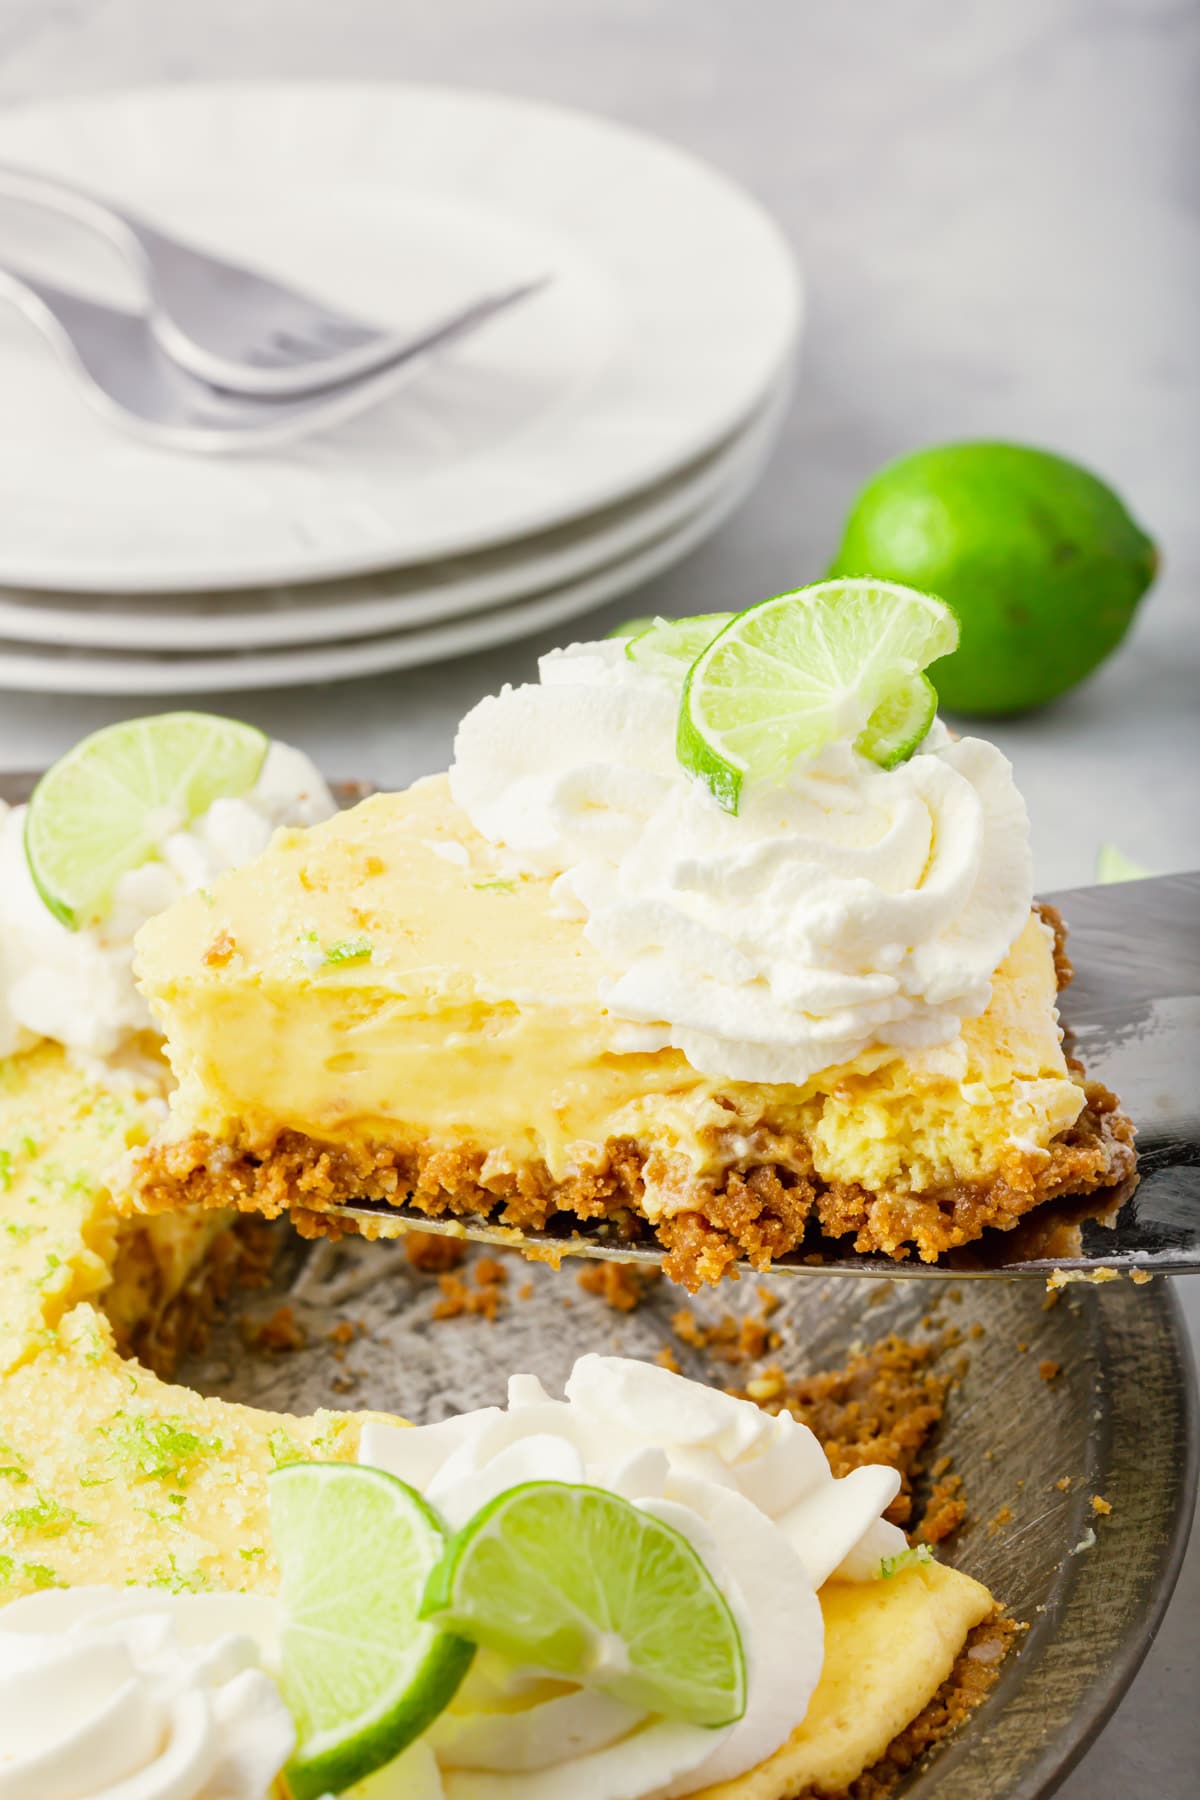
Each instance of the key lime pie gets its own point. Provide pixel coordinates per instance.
(644, 1588)
(713, 936)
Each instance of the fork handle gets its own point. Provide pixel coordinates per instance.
(123, 228)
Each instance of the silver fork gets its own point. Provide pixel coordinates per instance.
(127, 375)
(223, 322)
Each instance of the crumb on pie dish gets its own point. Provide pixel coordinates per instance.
(562, 985)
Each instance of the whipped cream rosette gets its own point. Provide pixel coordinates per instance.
(843, 906)
(754, 1495)
(139, 1694)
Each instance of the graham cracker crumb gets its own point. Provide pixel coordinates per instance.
(220, 951)
(1100, 1506)
(623, 1286)
(768, 1302)
(732, 1339)
(1048, 1368)
(1002, 1518)
(667, 1359)
(687, 1328)
(346, 1330)
(945, 1510)
(280, 1333)
(432, 1251)
(483, 1300)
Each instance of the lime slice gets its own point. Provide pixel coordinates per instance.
(672, 645)
(108, 804)
(580, 1582)
(631, 627)
(899, 723)
(362, 1674)
(796, 672)
(1113, 865)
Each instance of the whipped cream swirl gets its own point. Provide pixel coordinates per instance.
(844, 907)
(152, 1696)
(752, 1492)
(137, 1693)
(77, 986)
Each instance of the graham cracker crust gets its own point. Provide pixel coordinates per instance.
(752, 1212)
(172, 1328)
(975, 1672)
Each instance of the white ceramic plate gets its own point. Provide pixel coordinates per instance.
(319, 612)
(674, 305)
(49, 669)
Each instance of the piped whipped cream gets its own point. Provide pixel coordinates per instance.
(77, 987)
(844, 907)
(752, 1492)
(158, 1696)
(138, 1693)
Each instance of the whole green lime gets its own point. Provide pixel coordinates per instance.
(1039, 558)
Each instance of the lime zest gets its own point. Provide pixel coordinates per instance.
(912, 1558)
(792, 674)
(163, 1449)
(362, 1674)
(576, 1580)
(105, 807)
(349, 950)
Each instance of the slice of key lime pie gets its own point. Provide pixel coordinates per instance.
(713, 935)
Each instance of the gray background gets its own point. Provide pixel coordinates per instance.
(995, 205)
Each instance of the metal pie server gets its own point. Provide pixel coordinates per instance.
(1132, 1014)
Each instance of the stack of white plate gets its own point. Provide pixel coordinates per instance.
(565, 455)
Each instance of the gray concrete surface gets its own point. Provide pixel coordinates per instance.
(996, 209)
